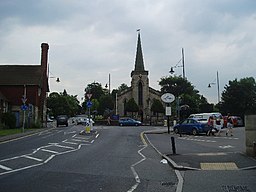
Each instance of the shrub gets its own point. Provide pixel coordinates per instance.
(9, 120)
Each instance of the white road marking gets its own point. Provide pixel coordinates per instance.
(8, 170)
(66, 147)
(50, 151)
(226, 146)
(33, 158)
(136, 176)
(5, 168)
(68, 142)
(97, 135)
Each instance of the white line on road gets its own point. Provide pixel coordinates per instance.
(66, 147)
(136, 176)
(68, 142)
(5, 168)
(97, 135)
(33, 158)
(50, 151)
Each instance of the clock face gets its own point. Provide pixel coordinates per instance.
(168, 97)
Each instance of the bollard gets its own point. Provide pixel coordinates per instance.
(173, 146)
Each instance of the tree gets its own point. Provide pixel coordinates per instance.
(185, 94)
(239, 97)
(95, 89)
(62, 103)
(122, 87)
(131, 106)
(157, 107)
(105, 104)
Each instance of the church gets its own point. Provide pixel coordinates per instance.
(139, 90)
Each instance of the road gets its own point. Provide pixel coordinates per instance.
(111, 159)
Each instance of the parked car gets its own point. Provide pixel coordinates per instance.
(192, 126)
(218, 122)
(128, 122)
(62, 120)
(82, 120)
(238, 122)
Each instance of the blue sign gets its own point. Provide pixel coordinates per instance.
(89, 104)
(24, 107)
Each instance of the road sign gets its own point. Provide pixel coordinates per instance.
(168, 111)
(24, 99)
(89, 104)
(24, 107)
(168, 98)
(89, 95)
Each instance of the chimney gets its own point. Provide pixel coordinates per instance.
(44, 59)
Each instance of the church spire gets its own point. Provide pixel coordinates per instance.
(139, 63)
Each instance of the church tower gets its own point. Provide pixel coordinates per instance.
(139, 90)
(140, 81)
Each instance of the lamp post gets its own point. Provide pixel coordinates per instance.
(218, 86)
(177, 65)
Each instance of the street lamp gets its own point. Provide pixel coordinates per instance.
(177, 65)
(57, 79)
(218, 86)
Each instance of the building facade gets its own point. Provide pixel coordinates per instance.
(24, 88)
(139, 90)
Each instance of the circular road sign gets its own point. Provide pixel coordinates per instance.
(168, 97)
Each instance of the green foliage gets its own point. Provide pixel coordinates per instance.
(95, 89)
(105, 103)
(9, 120)
(157, 106)
(186, 92)
(239, 97)
(62, 104)
(131, 106)
(122, 87)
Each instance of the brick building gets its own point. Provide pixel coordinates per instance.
(29, 82)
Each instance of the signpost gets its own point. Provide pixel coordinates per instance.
(168, 98)
(89, 105)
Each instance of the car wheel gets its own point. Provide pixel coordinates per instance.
(120, 124)
(194, 131)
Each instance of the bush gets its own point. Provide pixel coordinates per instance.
(9, 120)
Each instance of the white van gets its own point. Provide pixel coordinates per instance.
(204, 117)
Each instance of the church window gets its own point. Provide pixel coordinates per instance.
(140, 94)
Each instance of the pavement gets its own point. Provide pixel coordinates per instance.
(187, 159)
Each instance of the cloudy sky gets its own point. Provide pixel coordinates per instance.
(90, 39)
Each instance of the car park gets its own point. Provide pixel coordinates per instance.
(128, 122)
(62, 120)
(192, 126)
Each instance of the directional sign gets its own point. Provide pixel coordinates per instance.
(89, 104)
(168, 97)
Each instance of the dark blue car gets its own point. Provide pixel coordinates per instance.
(191, 126)
(129, 122)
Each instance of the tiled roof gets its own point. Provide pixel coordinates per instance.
(20, 74)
